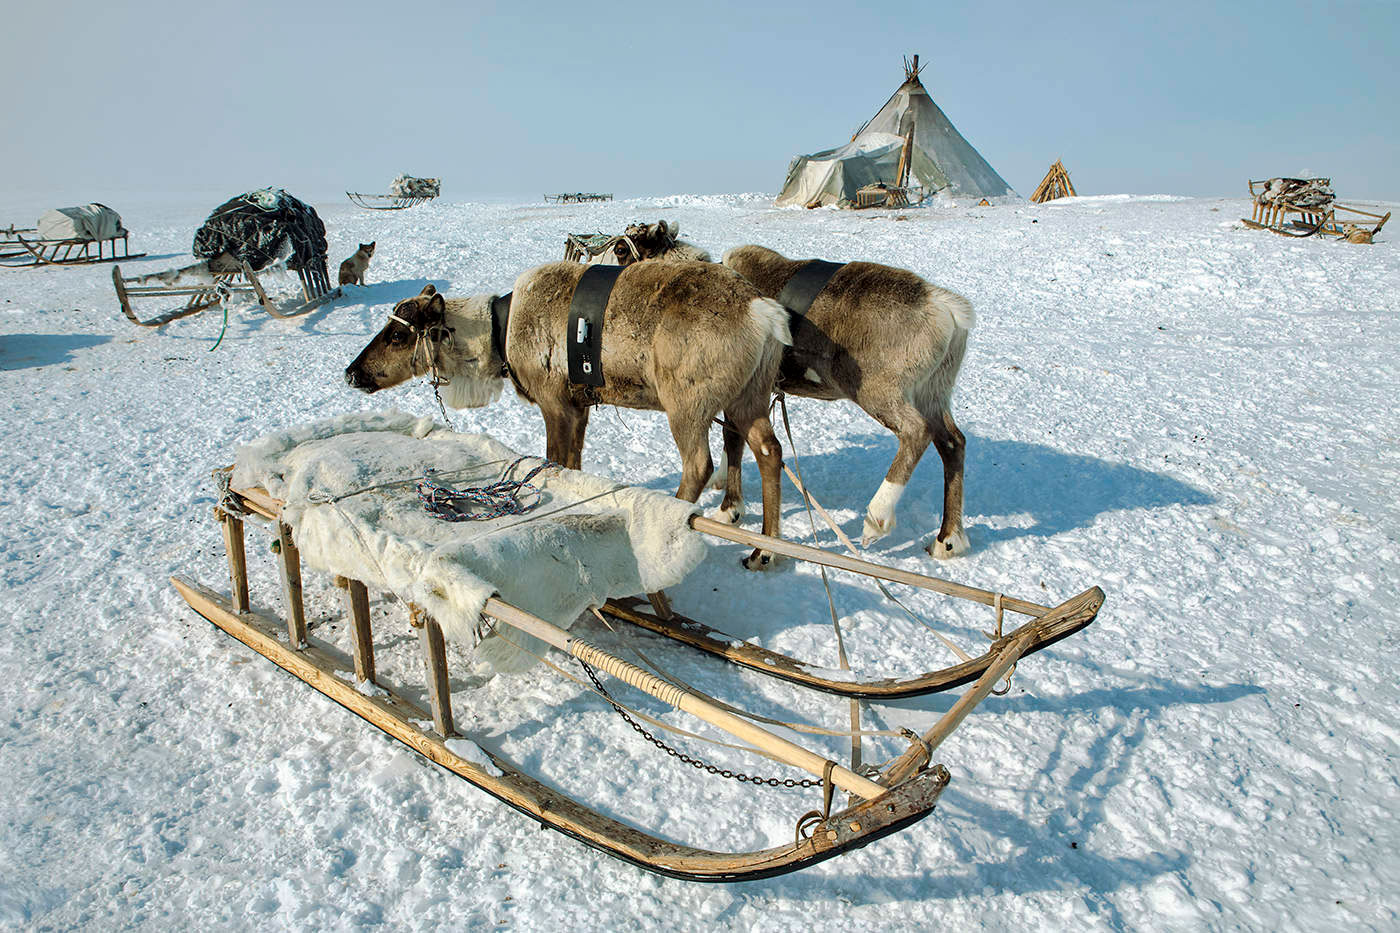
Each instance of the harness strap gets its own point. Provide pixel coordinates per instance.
(806, 283)
(500, 320)
(585, 335)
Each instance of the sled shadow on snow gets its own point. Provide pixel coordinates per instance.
(30, 351)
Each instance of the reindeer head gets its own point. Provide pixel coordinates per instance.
(424, 335)
(650, 240)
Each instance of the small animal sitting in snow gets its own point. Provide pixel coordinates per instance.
(892, 343)
(692, 339)
(352, 270)
(656, 241)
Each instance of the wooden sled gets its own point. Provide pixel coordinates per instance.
(203, 288)
(585, 247)
(387, 202)
(22, 246)
(883, 802)
(576, 197)
(1298, 221)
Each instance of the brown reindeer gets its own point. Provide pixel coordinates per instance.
(892, 343)
(690, 339)
(655, 241)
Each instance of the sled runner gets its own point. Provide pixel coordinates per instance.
(327, 499)
(1304, 207)
(202, 288)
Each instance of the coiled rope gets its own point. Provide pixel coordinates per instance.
(483, 503)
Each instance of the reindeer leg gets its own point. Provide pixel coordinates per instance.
(692, 437)
(563, 430)
(914, 437)
(731, 509)
(952, 446)
(769, 454)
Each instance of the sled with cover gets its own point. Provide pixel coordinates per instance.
(1304, 207)
(404, 192)
(67, 236)
(242, 240)
(341, 496)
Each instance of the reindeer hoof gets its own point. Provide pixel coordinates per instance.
(730, 515)
(955, 545)
(758, 560)
(875, 529)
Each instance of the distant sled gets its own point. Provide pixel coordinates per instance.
(404, 192)
(239, 242)
(334, 527)
(1304, 207)
(67, 236)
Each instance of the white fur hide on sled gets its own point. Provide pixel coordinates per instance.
(349, 488)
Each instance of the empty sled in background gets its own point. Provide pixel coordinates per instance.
(335, 492)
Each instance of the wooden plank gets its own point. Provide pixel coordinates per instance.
(362, 639)
(291, 586)
(855, 565)
(435, 663)
(237, 558)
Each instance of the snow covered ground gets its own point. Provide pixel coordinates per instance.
(1197, 417)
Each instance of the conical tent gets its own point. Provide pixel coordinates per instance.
(939, 158)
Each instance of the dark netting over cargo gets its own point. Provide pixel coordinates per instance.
(261, 227)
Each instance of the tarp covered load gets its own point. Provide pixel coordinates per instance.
(88, 222)
(260, 228)
(1298, 192)
(407, 186)
(940, 159)
(348, 485)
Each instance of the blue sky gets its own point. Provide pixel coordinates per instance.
(513, 100)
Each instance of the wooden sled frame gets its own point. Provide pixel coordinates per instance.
(1333, 220)
(395, 202)
(582, 247)
(18, 250)
(904, 793)
(210, 289)
(576, 197)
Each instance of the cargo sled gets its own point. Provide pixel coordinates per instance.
(67, 236)
(500, 553)
(1304, 207)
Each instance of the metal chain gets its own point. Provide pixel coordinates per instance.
(686, 759)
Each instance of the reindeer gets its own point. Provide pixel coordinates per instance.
(690, 339)
(655, 241)
(892, 343)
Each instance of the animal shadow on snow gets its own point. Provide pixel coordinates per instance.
(30, 351)
(1044, 491)
(371, 304)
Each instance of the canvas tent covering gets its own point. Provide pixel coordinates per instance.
(940, 159)
(88, 222)
(260, 228)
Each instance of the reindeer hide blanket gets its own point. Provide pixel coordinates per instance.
(349, 488)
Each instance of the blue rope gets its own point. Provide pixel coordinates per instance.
(483, 503)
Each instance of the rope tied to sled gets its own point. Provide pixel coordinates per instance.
(483, 503)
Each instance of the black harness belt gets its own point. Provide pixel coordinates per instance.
(500, 320)
(806, 283)
(585, 336)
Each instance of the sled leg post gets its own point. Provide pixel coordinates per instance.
(291, 586)
(661, 603)
(435, 662)
(357, 607)
(237, 558)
